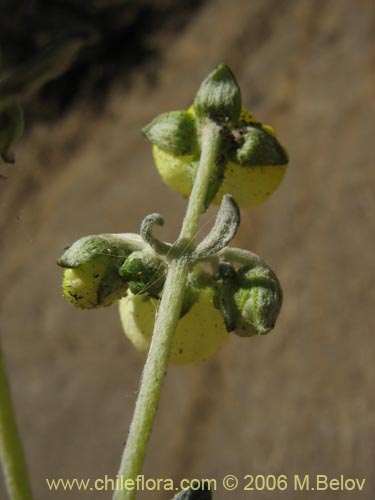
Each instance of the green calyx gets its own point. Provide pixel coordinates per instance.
(178, 137)
(115, 248)
(11, 128)
(250, 299)
(258, 298)
(174, 132)
(145, 272)
(219, 97)
(257, 147)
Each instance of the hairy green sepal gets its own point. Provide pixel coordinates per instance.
(145, 272)
(219, 97)
(258, 298)
(115, 247)
(258, 148)
(174, 132)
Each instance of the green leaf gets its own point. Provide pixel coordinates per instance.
(146, 226)
(219, 97)
(223, 231)
(174, 132)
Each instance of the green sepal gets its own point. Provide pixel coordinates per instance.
(259, 148)
(174, 132)
(11, 128)
(111, 285)
(226, 293)
(258, 299)
(145, 272)
(219, 97)
(115, 247)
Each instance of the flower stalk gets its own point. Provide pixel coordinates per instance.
(11, 452)
(167, 318)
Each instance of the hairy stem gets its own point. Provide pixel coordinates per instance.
(11, 453)
(166, 322)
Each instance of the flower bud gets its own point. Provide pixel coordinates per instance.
(200, 332)
(145, 272)
(258, 299)
(252, 172)
(219, 97)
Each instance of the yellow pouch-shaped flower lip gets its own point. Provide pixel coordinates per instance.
(248, 184)
(92, 285)
(200, 332)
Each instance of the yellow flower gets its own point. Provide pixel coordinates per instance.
(200, 332)
(93, 284)
(248, 184)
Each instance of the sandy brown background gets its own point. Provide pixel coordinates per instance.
(296, 401)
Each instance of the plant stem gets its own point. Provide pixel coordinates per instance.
(11, 453)
(166, 322)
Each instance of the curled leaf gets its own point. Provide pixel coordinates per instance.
(223, 231)
(146, 226)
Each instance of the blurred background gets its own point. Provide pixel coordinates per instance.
(297, 401)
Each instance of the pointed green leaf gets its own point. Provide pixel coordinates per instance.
(146, 226)
(223, 231)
